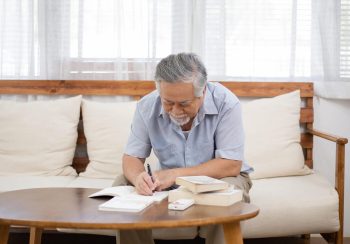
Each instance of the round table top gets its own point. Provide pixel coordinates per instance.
(72, 208)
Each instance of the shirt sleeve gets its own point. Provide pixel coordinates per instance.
(229, 136)
(138, 144)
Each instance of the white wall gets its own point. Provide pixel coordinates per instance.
(333, 116)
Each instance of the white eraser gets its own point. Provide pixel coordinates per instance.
(181, 204)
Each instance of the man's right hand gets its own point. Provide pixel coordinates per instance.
(144, 184)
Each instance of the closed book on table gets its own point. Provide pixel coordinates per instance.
(197, 184)
(224, 197)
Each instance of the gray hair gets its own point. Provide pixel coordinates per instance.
(182, 67)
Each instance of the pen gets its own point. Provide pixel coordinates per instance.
(150, 171)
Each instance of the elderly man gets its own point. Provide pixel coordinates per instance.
(194, 128)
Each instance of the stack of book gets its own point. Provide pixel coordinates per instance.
(205, 190)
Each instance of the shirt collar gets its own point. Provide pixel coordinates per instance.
(209, 106)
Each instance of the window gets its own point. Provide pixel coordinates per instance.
(128, 37)
(19, 39)
(256, 39)
(120, 29)
(124, 39)
(345, 39)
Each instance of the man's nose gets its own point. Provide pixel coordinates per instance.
(176, 109)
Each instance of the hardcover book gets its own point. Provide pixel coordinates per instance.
(224, 197)
(197, 184)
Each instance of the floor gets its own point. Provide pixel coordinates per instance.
(59, 238)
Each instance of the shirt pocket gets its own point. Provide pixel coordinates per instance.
(168, 156)
(203, 152)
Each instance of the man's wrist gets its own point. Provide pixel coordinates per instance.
(177, 172)
(133, 178)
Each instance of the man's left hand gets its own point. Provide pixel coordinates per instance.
(166, 178)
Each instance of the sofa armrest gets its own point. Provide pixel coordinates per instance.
(340, 156)
(339, 171)
(337, 139)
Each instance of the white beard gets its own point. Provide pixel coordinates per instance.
(181, 120)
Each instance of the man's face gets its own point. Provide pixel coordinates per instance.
(179, 102)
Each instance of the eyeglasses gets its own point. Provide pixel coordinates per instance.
(183, 104)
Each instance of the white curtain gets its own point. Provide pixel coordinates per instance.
(289, 40)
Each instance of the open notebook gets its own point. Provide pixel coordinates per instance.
(126, 199)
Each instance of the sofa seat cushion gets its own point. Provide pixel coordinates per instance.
(85, 182)
(291, 206)
(12, 183)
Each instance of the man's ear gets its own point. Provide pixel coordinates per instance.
(203, 96)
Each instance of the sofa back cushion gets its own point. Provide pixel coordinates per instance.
(38, 138)
(272, 130)
(106, 127)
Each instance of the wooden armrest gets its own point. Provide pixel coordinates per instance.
(339, 171)
(337, 139)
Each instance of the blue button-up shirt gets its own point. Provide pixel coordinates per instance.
(217, 131)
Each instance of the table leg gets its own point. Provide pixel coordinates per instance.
(4, 234)
(232, 232)
(35, 235)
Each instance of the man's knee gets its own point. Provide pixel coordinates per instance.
(242, 182)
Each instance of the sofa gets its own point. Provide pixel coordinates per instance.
(74, 133)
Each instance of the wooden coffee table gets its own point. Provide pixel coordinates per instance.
(72, 208)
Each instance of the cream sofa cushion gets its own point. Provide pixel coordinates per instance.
(291, 206)
(38, 138)
(272, 130)
(106, 126)
(85, 182)
(15, 182)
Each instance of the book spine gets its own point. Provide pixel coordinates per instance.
(206, 199)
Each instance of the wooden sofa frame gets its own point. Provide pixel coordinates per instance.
(137, 89)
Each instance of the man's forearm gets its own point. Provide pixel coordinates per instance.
(216, 168)
(132, 167)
